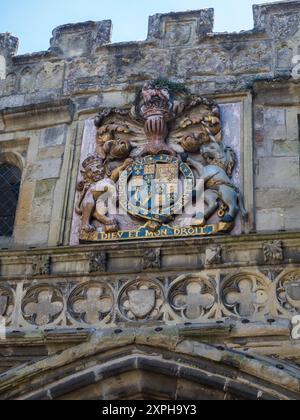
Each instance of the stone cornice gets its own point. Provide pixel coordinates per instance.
(37, 115)
(253, 238)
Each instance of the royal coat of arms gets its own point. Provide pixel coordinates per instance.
(160, 169)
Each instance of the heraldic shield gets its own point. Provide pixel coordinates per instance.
(153, 161)
(154, 187)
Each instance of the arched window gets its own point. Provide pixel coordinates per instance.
(10, 180)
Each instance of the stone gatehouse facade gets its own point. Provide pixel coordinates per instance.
(145, 305)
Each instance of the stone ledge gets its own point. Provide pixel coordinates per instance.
(38, 115)
(253, 238)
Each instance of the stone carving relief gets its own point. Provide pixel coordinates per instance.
(142, 300)
(288, 292)
(193, 297)
(147, 163)
(273, 252)
(180, 33)
(98, 262)
(285, 26)
(42, 305)
(41, 265)
(246, 296)
(91, 303)
(7, 302)
(152, 259)
(213, 255)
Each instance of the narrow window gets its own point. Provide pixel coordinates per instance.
(10, 180)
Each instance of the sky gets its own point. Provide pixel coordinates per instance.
(32, 21)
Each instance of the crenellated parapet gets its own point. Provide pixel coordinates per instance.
(80, 39)
(279, 19)
(215, 61)
(8, 48)
(8, 44)
(184, 28)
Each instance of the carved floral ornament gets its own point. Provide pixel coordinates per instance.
(149, 164)
(7, 301)
(194, 297)
(42, 305)
(198, 297)
(91, 303)
(288, 292)
(246, 295)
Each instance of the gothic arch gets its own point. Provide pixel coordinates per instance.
(12, 158)
(151, 366)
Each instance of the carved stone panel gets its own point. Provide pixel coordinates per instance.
(273, 252)
(213, 255)
(143, 167)
(193, 297)
(206, 296)
(7, 302)
(141, 300)
(42, 305)
(41, 265)
(91, 303)
(246, 296)
(152, 259)
(288, 292)
(98, 262)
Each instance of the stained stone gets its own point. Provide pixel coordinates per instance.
(210, 317)
(279, 172)
(53, 137)
(286, 148)
(44, 188)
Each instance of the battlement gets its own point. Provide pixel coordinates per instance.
(278, 19)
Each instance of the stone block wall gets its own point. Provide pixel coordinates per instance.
(277, 147)
(46, 98)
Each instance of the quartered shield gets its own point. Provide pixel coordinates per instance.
(152, 187)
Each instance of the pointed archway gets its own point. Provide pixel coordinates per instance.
(143, 365)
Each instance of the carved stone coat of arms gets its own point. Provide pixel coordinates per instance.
(159, 169)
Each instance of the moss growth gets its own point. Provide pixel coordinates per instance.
(171, 86)
(161, 83)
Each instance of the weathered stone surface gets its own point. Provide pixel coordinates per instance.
(283, 172)
(45, 169)
(80, 39)
(181, 28)
(270, 220)
(52, 137)
(186, 318)
(286, 148)
(8, 45)
(44, 188)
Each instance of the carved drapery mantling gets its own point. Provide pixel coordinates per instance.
(151, 165)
